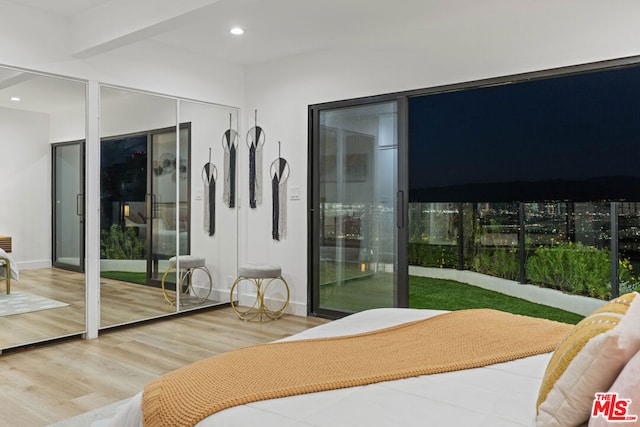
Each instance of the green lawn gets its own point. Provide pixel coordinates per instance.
(126, 276)
(424, 292)
(135, 277)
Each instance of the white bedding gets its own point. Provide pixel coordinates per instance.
(493, 396)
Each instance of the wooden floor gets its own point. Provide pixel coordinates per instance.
(120, 303)
(46, 384)
(52, 283)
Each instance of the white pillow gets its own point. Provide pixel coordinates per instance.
(627, 385)
(588, 361)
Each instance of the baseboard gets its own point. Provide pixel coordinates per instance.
(31, 265)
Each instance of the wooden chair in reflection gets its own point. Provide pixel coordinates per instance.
(5, 245)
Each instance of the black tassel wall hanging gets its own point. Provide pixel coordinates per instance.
(279, 173)
(230, 145)
(255, 141)
(209, 176)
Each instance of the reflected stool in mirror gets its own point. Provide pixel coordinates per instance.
(190, 293)
(271, 292)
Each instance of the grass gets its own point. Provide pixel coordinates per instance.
(425, 292)
(134, 276)
(126, 276)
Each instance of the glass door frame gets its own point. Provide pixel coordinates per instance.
(401, 292)
(151, 208)
(80, 207)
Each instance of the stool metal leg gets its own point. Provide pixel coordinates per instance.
(245, 313)
(263, 305)
(170, 300)
(199, 294)
(274, 308)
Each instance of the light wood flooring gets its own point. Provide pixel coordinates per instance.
(120, 303)
(36, 326)
(49, 383)
(45, 383)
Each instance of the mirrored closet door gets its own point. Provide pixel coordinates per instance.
(162, 160)
(46, 298)
(138, 160)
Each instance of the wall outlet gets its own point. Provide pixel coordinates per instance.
(294, 193)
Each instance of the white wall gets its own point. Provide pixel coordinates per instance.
(25, 185)
(473, 44)
(68, 125)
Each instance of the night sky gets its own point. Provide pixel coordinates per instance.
(574, 137)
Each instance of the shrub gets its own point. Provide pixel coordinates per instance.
(498, 262)
(572, 268)
(428, 255)
(119, 243)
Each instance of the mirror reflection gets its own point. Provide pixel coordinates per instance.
(156, 256)
(214, 224)
(161, 196)
(42, 132)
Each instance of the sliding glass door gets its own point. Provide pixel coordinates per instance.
(68, 207)
(169, 220)
(357, 208)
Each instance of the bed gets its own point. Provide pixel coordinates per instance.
(500, 394)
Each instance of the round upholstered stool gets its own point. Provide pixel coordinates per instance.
(272, 292)
(189, 292)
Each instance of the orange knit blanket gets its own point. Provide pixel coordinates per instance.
(452, 341)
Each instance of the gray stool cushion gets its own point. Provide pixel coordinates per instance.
(254, 271)
(187, 261)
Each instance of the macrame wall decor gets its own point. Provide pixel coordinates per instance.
(230, 145)
(255, 141)
(209, 176)
(279, 173)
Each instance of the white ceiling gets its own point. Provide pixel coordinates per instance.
(278, 29)
(63, 8)
(274, 29)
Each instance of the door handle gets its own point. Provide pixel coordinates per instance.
(79, 204)
(400, 209)
(150, 201)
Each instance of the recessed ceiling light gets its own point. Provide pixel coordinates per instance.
(236, 31)
(15, 98)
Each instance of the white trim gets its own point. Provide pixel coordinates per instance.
(92, 211)
(29, 265)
